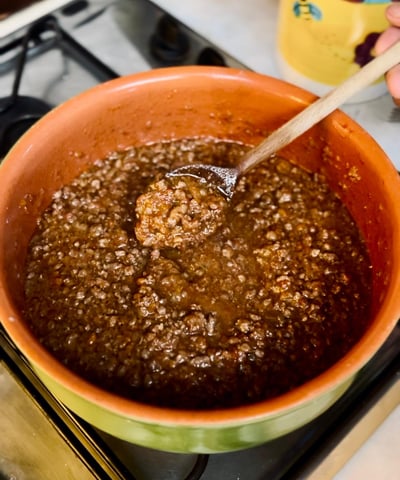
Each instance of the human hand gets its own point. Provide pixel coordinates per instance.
(387, 38)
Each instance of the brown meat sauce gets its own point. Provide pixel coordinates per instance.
(277, 294)
(178, 212)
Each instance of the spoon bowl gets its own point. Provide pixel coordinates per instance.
(223, 179)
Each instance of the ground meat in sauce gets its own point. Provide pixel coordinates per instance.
(178, 212)
(277, 294)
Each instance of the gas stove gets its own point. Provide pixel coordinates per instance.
(44, 61)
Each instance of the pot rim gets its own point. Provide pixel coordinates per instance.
(341, 371)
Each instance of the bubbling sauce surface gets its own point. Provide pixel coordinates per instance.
(274, 296)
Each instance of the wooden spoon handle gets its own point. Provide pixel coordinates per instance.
(321, 108)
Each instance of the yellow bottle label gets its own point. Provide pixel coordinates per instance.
(329, 40)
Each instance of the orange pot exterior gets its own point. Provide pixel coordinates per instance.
(184, 102)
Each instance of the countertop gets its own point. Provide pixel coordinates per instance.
(247, 31)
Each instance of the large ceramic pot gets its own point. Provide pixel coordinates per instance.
(181, 102)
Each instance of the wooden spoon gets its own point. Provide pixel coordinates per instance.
(225, 179)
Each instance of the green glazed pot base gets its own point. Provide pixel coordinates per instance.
(210, 438)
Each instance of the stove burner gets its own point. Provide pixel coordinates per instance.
(168, 43)
(199, 468)
(210, 56)
(17, 115)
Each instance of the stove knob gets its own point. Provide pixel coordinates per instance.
(168, 43)
(209, 56)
